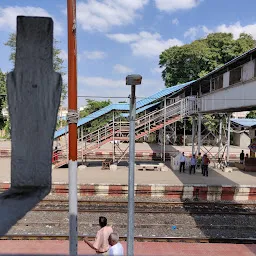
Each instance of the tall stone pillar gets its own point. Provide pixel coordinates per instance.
(34, 92)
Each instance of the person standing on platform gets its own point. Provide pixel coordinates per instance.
(202, 164)
(199, 161)
(192, 164)
(206, 164)
(101, 243)
(116, 248)
(242, 157)
(182, 162)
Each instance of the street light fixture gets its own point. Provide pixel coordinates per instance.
(132, 80)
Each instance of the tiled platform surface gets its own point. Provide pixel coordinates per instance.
(141, 249)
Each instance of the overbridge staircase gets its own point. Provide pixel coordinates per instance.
(175, 110)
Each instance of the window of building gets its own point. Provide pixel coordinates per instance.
(205, 87)
(217, 82)
(235, 75)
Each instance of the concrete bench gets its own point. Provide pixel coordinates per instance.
(106, 164)
(148, 167)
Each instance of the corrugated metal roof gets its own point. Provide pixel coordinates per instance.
(125, 107)
(165, 92)
(246, 122)
(141, 109)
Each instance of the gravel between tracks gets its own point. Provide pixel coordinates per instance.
(137, 199)
(50, 223)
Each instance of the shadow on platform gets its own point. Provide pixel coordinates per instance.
(16, 202)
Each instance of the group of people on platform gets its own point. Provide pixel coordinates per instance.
(106, 241)
(195, 163)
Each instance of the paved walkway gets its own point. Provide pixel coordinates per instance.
(141, 249)
(95, 175)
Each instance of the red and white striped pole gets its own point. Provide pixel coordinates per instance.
(72, 124)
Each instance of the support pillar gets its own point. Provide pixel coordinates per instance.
(33, 91)
(193, 135)
(72, 119)
(175, 132)
(228, 143)
(184, 135)
(113, 128)
(164, 128)
(220, 137)
(82, 143)
(130, 233)
(66, 141)
(199, 133)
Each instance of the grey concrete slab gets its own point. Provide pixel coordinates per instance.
(34, 91)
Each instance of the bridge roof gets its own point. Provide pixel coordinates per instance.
(245, 122)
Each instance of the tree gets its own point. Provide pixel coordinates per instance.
(251, 114)
(91, 107)
(57, 61)
(192, 61)
(2, 96)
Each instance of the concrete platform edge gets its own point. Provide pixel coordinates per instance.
(179, 192)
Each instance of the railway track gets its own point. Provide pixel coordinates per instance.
(139, 239)
(151, 207)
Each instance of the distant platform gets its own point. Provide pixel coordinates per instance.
(237, 185)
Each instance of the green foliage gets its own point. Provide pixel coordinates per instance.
(2, 96)
(192, 61)
(7, 128)
(92, 106)
(57, 61)
(211, 122)
(251, 114)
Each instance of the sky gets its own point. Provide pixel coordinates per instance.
(120, 37)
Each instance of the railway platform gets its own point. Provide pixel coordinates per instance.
(141, 248)
(238, 185)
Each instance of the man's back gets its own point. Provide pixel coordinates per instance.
(116, 250)
(101, 241)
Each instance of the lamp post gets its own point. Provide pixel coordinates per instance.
(132, 80)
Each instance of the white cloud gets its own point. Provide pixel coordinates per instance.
(124, 38)
(94, 55)
(175, 21)
(174, 5)
(145, 44)
(236, 29)
(196, 32)
(9, 14)
(118, 68)
(102, 15)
